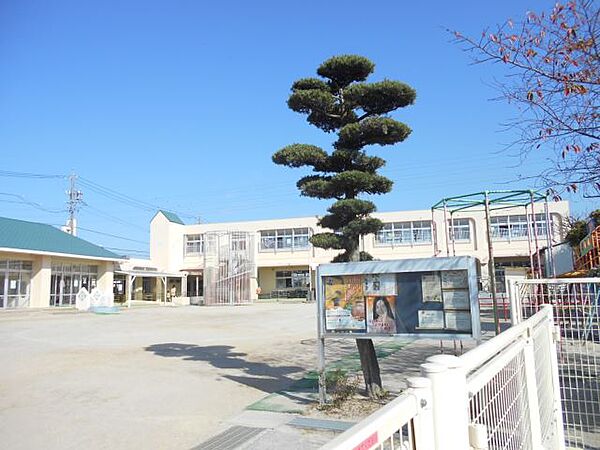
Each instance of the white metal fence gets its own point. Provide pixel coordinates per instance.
(504, 394)
(576, 314)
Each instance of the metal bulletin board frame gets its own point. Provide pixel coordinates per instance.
(404, 266)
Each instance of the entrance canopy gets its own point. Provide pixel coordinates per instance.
(132, 275)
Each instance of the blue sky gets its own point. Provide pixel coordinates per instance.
(182, 103)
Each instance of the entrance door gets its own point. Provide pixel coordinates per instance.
(56, 290)
(194, 286)
(3, 289)
(67, 293)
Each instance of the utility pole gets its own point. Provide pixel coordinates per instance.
(75, 199)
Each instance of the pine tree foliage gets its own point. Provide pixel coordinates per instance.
(342, 102)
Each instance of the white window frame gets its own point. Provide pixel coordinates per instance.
(67, 279)
(292, 275)
(285, 240)
(514, 227)
(16, 283)
(403, 234)
(193, 244)
(459, 225)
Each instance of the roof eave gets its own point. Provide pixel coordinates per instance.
(63, 255)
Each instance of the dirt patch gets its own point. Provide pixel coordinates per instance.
(352, 409)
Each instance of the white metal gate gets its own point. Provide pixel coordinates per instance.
(576, 314)
(502, 395)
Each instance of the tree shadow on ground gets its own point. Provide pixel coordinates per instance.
(259, 375)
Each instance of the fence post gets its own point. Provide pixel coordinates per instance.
(554, 336)
(450, 401)
(532, 392)
(423, 422)
(516, 313)
(478, 436)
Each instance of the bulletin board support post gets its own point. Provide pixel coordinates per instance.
(321, 369)
(322, 376)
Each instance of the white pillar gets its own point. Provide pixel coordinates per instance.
(516, 309)
(450, 401)
(423, 423)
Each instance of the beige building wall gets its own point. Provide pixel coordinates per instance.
(168, 249)
(267, 276)
(166, 243)
(39, 294)
(106, 271)
(41, 272)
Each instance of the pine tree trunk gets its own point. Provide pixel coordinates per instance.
(368, 358)
(370, 367)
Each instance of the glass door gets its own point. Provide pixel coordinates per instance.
(67, 291)
(55, 290)
(12, 300)
(3, 281)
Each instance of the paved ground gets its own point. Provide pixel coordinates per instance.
(169, 377)
(146, 378)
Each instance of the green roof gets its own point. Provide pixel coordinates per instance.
(171, 217)
(40, 237)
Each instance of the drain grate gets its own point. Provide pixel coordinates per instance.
(231, 438)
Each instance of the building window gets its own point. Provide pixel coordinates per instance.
(194, 244)
(67, 280)
(404, 233)
(15, 279)
(284, 239)
(461, 228)
(506, 228)
(291, 279)
(238, 242)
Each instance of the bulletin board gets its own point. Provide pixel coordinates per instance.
(429, 298)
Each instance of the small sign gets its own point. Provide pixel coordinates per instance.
(456, 299)
(345, 303)
(380, 284)
(382, 316)
(458, 320)
(431, 285)
(431, 320)
(455, 279)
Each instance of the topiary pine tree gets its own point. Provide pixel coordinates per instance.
(342, 102)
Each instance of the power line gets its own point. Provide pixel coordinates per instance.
(112, 235)
(101, 213)
(8, 173)
(128, 200)
(24, 201)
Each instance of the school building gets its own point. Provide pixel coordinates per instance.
(284, 260)
(42, 266)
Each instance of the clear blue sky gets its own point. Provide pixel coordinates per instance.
(182, 104)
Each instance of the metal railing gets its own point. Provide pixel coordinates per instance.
(504, 394)
(576, 314)
(397, 425)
